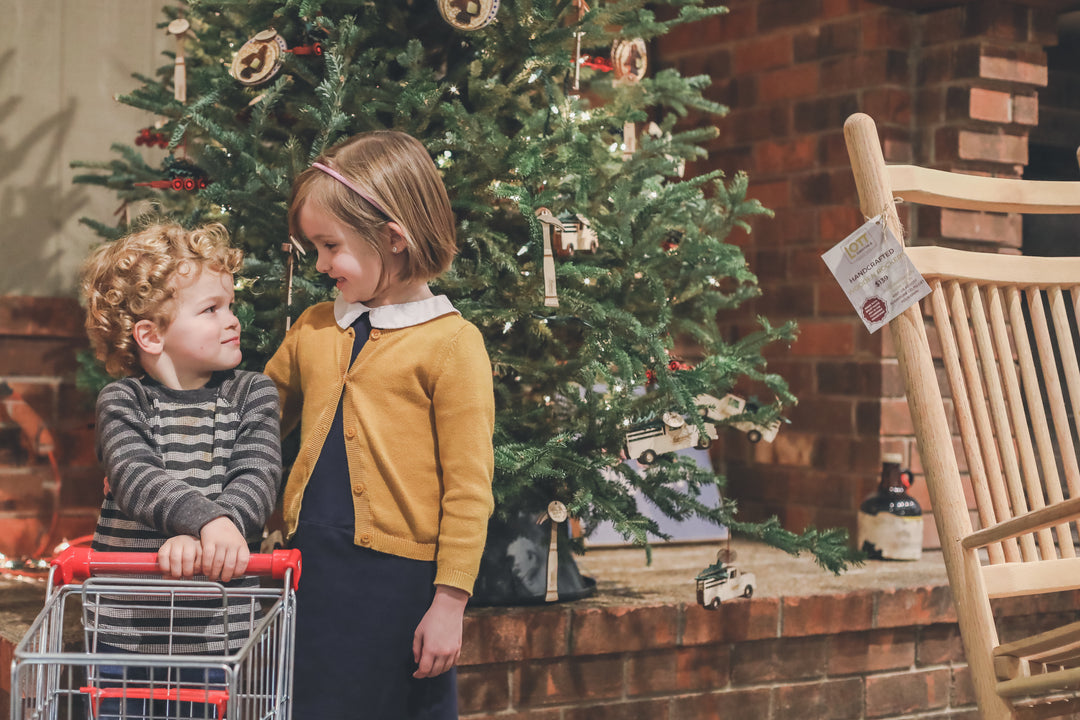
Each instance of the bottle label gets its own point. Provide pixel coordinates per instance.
(890, 537)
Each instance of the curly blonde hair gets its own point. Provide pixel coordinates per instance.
(132, 279)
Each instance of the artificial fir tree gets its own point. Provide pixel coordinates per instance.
(520, 115)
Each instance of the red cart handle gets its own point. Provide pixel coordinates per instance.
(76, 564)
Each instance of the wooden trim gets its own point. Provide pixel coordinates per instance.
(939, 188)
(1016, 579)
(952, 264)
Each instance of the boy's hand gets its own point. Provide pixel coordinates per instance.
(224, 550)
(437, 640)
(179, 556)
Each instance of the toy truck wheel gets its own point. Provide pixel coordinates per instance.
(703, 442)
(715, 604)
(647, 458)
(748, 592)
(754, 436)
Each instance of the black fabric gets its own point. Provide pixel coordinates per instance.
(327, 500)
(357, 610)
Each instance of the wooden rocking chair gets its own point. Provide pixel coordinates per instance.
(1005, 330)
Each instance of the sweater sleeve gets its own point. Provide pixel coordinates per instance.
(464, 405)
(140, 485)
(253, 474)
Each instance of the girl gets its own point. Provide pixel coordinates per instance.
(390, 493)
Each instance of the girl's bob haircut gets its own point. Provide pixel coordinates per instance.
(395, 171)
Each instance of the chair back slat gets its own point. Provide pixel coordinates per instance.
(1028, 483)
(954, 373)
(1037, 417)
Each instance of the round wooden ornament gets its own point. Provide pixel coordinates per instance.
(468, 14)
(629, 60)
(259, 59)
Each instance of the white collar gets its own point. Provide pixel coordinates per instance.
(393, 317)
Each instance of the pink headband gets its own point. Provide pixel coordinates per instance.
(349, 184)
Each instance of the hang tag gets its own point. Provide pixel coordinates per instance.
(878, 278)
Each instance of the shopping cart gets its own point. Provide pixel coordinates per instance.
(68, 665)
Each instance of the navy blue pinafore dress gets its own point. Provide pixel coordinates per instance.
(357, 609)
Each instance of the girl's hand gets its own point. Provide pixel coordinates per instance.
(225, 552)
(437, 640)
(179, 556)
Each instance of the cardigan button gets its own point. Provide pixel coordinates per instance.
(358, 489)
(375, 334)
(350, 433)
(365, 539)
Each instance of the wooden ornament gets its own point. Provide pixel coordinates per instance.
(548, 221)
(629, 60)
(178, 28)
(556, 513)
(468, 14)
(259, 59)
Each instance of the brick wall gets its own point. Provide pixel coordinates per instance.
(39, 339)
(955, 89)
(867, 654)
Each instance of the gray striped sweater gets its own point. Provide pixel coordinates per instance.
(176, 459)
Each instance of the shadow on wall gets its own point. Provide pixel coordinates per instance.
(34, 208)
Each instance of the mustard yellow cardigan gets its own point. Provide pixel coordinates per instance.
(419, 416)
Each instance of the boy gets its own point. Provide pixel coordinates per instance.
(190, 445)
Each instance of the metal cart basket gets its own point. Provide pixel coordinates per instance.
(86, 654)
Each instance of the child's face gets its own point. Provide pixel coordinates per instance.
(344, 256)
(204, 335)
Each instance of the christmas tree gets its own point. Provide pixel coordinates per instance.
(586, 259)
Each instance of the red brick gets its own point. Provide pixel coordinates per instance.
(47, 317)
(898, 694)
(990, 105)
(763, 52)
(552, 682)
(831, 416)
(832, 339)
(491, 636)
(38, 356)
(992, 147)
(886, 29)
(529, 714)
(890, 102)
(685, 670)
(784, 660)
(904, 607)
(827, 614)
(832, 301)
(773, 157)
(733, 622)
(860, 653)
(963, 688)
(829, 700)
(595, 631)
(939, 645)
(752, 704)
(786, 83)
(773, 194)
(1026, 71)
(895, 417)
(1025, 110)
(634, 710)
(483, 688)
